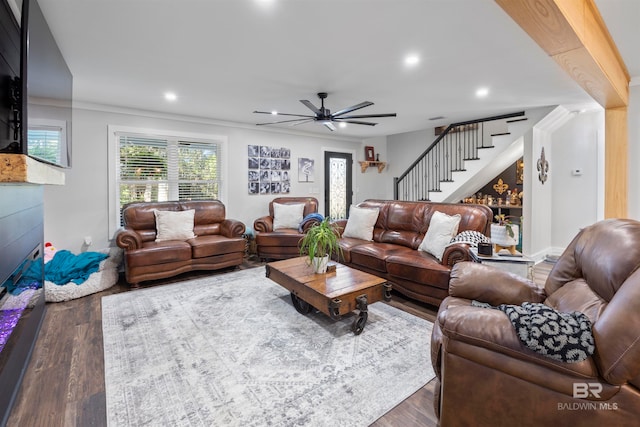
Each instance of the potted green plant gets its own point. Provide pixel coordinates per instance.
(504, 233)
(320, 242)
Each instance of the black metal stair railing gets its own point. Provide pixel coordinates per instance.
(448, 153)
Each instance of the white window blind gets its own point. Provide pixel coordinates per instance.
(45, 142)
(153, 168)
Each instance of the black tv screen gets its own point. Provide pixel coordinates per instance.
(47, 90)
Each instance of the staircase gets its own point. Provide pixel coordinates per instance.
(431, 176)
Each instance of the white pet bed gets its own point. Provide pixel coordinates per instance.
(104, 278)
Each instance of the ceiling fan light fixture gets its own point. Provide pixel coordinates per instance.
(325, 117)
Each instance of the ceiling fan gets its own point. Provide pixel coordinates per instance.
(325, 116)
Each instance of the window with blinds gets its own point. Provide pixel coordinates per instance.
(161, 169)
(46, 142)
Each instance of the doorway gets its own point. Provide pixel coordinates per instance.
(338, 190)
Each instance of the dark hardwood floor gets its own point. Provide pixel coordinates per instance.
(64, 382)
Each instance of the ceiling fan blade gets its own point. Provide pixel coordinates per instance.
(303, 122)
(329, 126)
(310, 106)
(367, 116)
(356, 122)
(352, 108)
(283, 114)
(282, 121)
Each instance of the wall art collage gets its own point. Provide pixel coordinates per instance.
(269, 169)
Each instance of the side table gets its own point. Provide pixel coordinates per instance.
(520, 265)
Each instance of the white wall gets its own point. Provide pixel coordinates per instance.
(574, 198)
(373, 184)
(80, 208)
(404, 148)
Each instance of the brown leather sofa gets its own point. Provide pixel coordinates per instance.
(398, 232)
(219, 241)
(487, 377)
(284, 242)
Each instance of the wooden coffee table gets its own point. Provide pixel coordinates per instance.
(334, 293)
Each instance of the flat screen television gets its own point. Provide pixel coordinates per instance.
(47, 90)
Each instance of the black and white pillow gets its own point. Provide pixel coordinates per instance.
(471, 237)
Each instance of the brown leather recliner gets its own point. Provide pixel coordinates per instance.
(487, 377)
(282, 243)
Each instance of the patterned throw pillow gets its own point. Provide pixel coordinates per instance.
(471, 237)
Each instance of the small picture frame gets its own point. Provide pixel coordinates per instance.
(369, 154)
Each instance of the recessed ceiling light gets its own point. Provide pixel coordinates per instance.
(274, 112)
(342, 125)
(411, 60)
(265, 3)
(482, 92)
(170, 96)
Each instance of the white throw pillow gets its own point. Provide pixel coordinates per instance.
(441, 230)
(287, 216)
(360, 223)
(174, 225)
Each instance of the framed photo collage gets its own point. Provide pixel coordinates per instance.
(269, 169)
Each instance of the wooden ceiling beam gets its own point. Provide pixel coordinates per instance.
(574, 34)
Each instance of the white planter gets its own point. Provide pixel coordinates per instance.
(319, 264)
(500, 235)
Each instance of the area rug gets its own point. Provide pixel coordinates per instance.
(231, 350)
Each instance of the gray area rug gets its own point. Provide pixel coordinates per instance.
(231, 350)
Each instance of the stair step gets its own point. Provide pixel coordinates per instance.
(458, 170)
(435, 191)
(500, 134)
(488, 146)
(517, 120)
(472, 158)
(446, 180)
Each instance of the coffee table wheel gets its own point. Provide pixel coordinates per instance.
(358, 325)
(301, 306)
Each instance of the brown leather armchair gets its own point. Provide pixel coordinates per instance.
(282, 243)
(487, 377)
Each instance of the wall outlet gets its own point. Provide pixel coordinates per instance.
(576, 172)
(88, 240)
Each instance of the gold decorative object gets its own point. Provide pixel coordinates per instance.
(500, 187)
(520, 172)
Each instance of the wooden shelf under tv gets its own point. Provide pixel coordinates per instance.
(366, 164)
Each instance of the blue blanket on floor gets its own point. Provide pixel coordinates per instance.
(66, 267)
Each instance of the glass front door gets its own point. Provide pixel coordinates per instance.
(337, 184)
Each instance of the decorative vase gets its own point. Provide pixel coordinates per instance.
(500, 235)
(319, 264)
